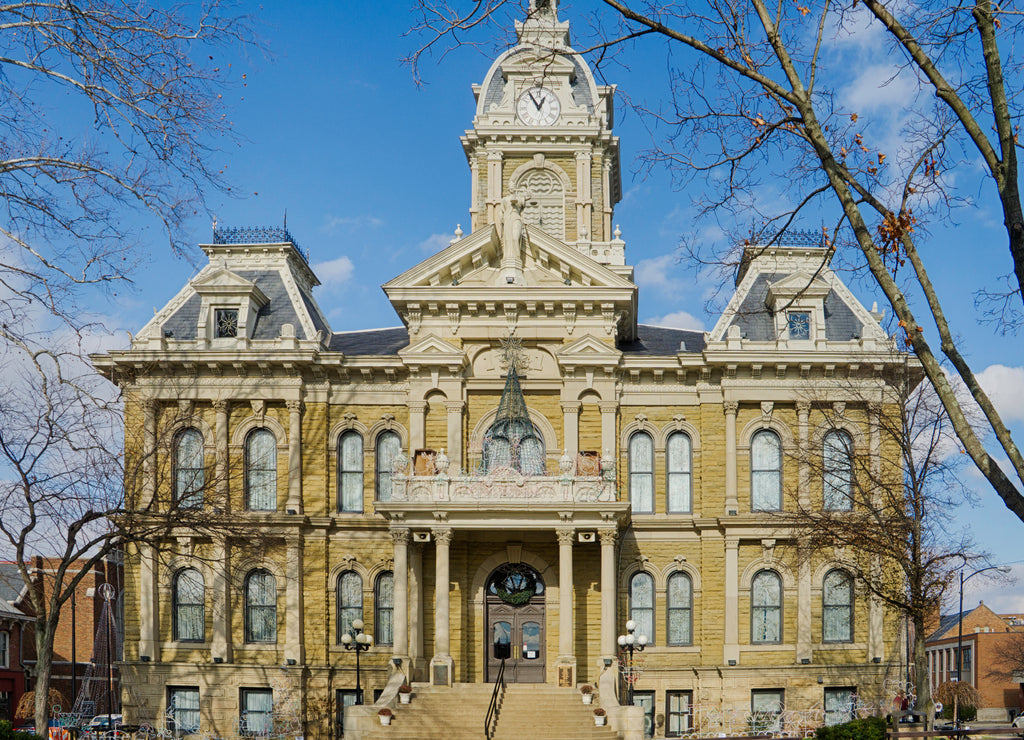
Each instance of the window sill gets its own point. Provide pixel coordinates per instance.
(768, 647)
(674, 649)
(839, 646)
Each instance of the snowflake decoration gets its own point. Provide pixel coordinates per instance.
(513, 354)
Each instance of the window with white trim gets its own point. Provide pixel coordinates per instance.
(389, 447)
(189, 606)
(766, 607)
(349, 596)
(678, 466)
(261, 470)
(837, 607)
(641, 473)
(189, 470)
(350, 472)
(679, 599)
(641, 604)
(766, 471)
(260, 607)
(837, 470)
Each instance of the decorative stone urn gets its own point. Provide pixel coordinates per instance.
(441, 463)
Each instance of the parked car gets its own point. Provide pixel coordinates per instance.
(104, 723)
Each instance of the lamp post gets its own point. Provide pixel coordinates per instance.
(356, 639)
(631, 643)
(960, 630)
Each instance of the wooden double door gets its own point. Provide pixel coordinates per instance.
(516, 632)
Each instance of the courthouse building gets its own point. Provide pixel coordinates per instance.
(519, 466)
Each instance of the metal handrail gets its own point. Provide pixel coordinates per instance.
(492, 709)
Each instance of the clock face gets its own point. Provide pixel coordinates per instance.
(538, 107)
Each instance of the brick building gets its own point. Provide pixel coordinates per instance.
(15, 631)
(520, 467)
(993, 648)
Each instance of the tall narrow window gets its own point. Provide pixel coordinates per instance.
(261, 470)
(837, 607)
(641, 604)
(257, 712)
(678, 458)
(766, 472)
(641, 473)
(384, 609)
(189, 474)
(837, 476)
(350, 472)
(766, 607)
(260, 607)
(350, 601)
(183, 703)
(678, 713)
(389, 446)
(5, 649)
(189, 606)
(680, 609)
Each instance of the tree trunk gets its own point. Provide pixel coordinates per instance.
(44, 667)
(922, 687)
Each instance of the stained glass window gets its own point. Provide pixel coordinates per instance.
(766, 471)
(350, 601)
(766, 607)
(837, 607)
(227, 322)
(837, 476)
(678, 462)
(350, 472)
(384, 609)
(389, 446)
(189, 473)
(799, 324)
(260, 607)
(189, 606)
(641, 473)
(641, 604)
(680, 609)
(261, 470)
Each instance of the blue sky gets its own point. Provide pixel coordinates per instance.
(368, 166)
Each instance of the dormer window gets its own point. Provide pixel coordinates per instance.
(799, 323)
(226, 323)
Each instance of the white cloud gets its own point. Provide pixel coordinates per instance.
(1000, 593)
(435, 243)
(336, 222)
(879, 86)
(656, 274)
(334, 272)
(1005, 386)
(677, 320)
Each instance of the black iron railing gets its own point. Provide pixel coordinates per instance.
(491, 720)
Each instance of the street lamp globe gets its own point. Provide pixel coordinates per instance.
(642, 640)
(346, 639)
(622, 641)
(357, 624)
(630, 626)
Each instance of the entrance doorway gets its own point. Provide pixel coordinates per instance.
(515, 629)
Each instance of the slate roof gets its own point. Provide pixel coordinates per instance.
(11, 587)
(947, 623)
(370, 342)
(661, 340)
(581, 94)
(756, 322)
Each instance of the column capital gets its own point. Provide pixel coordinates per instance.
(455, 407)
(442, 535)
(803, 407)
(571, 407)
(400, 535)
(566, 535)
(582, 155)
(495, 155)
(294, 406)
(608, 406)
(148, 405)
(730, 407)
(221, 405)
(417, 406)
(608, 535)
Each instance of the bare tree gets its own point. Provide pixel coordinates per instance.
(755, 104)
(883, 500)
(110, 111)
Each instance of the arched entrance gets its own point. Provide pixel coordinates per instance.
(514, 604)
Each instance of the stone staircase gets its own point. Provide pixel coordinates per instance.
(533, 711)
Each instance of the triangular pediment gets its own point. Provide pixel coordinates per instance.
(801, 283)
(587, 350)
(432, 350)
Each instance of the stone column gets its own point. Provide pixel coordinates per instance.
(417, 426)
(293, 648)
(149, 603)
(493, 184)
(220, 469)
(606, 198)
(875, 447)
(416, 609)
(571, 428)
(609, 588)
(584, 199)
(149, 450)
(566, 658)
(608, 411)
(221, 646)
(803, 412)
(474, 194)
(294, 505)
(732, 601)
(876, 613)
(441, 664)
(455, 409)
(804, 628)
(732, 504)
(400, 622)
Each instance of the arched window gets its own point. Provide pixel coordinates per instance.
(678, 457)
(261, 471)
(837, 607)
(260, 607)
(837, 475)
(766, 607)
(766, 471)
(641, 604)
(189, 473)
(680, 609)
(350, 472)
(641, 473)
(350, 601)
(189, 606)
(389, 447)
(384, 609)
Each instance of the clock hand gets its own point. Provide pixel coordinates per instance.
(535, 101)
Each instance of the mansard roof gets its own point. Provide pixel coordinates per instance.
(662, 340)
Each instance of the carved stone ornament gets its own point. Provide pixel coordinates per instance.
(608, 535)
(294, 406)
(641, 421)
(186, 407)
(400, 535)
(678, 420)
(679, 560)
(565, 464)
(731, 407)
(221, 406)
(388, 420)
(349, 560)
(441, 463)
(442, 536)
(803, 408)
(350, 420)
(259, 408)
(767, 407)
(566, 535)
(608, 465)
(768, 550)
(839, 408)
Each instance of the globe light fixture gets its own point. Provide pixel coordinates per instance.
(356, 639)
(631, 643)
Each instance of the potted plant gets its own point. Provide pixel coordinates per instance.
(599, 717)
(385, 716)
(404, 693)
(588, 693)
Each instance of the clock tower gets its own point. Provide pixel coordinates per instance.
(543, 132)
